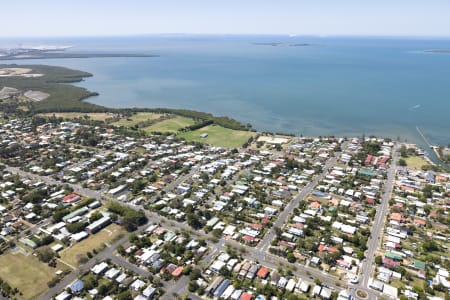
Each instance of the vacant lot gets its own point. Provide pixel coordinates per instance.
(137, 118)
(8, 72)
(106, 235)
(26, 273)
(170, 125)
(415, 162)
(36, 95)
(73, 115)
(218, 136)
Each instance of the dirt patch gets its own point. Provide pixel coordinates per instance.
(22, 72)
(7, 92)
(36, 95)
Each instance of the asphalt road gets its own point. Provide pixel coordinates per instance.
(378, 225)
(68, 279)
(258, 254)
(284, 215)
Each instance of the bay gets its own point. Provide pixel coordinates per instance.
(342, 86)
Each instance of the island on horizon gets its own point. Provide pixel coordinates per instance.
(55, 52)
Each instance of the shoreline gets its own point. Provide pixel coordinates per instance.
(439, 51)
(53, 55)
(82, 104)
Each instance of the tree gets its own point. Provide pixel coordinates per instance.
(225, 272)
(278, 231)
(195, 274)
(90, 282)
(53, 282)
(403, 151)
(378, 260)
(82, 258)
(131, 219)
(76, 227)
(113, 217)
(121, 250)
(102, 289)
(194, 221)
(59, 214)
(45, 254)
(430, 246)
(217, 233)
(402, 162)
(95, 216)
(46, 240)
(125, 295)
(334, 295)
(193, 286)
(427, 191)
(290, 257)
(360, 254)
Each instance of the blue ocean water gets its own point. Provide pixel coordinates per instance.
(333, 86)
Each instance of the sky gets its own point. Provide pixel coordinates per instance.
(47, 18)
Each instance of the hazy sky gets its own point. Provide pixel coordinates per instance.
(309, 17)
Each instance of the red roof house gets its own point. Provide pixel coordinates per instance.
(262, 273)
(246, 296)
(177, 272)
(396, 217)
(71, 198)
(419, 222)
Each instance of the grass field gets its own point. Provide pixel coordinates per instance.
(218, 136)
(137, 118)
(106, 235)
(170, 125)
(73, 115)
(26, 273)
(415, 162)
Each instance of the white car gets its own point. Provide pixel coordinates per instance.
(353, 279)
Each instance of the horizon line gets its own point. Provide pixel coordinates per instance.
(231, 34)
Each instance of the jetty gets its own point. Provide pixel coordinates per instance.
(424, 137)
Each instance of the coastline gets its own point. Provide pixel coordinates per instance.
(444, 51)
(84, 104)
(72, 55)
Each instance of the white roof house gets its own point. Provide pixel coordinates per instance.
(99, 268)
(137, 285)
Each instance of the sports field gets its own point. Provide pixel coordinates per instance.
(218, 136)
(73, 115)
(170, 125)
(26, 273)
(137, 118)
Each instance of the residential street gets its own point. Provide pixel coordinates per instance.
(378, 224)
(258, 254)
(284, 215)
